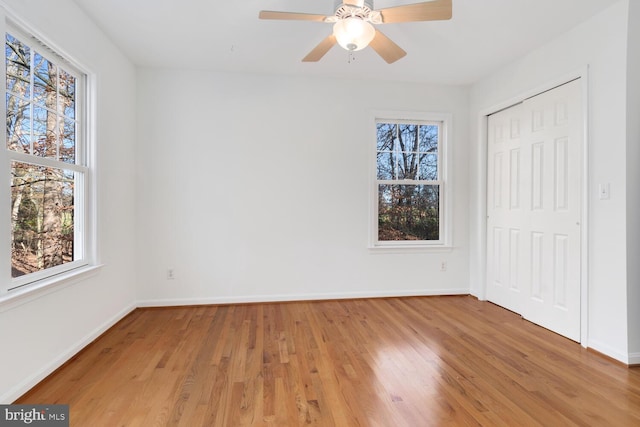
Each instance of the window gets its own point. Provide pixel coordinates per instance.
(47, 158)
(410, 182)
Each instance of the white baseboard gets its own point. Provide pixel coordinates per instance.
(634, 359)
(297, 297)
(26, 385)
(609, 351)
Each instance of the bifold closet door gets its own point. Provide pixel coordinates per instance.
(534, 189)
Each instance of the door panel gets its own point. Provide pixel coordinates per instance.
(505, 197)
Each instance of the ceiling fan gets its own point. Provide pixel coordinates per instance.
(353, 29)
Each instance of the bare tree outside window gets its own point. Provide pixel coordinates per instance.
(40, 123)
(408, 181)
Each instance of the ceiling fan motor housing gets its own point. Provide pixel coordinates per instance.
(343, 10)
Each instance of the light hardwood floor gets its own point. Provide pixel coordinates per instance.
(419, 361)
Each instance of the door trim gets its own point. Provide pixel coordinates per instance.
(483, 117)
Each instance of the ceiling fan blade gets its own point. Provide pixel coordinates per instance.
(319, 51)
(386, 48)
(436, 10)
(291, 16)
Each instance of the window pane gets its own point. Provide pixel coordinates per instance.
(386, 136)
(42, 217)
(18, 124)
(429, 166)
(408, 212)
(68, 142)
(408, 165)
(67, 89)
(18, 62)
(428, 138)
(44, 82)
(408, 137)
(45, 123)
(386, 166)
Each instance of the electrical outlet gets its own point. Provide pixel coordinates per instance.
(171, 274)
(443, 266)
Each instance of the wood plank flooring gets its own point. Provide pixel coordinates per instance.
(423, 361)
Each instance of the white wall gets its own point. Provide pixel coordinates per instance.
(257, 188)
(39, 335)
(600, 43)
(633, 180)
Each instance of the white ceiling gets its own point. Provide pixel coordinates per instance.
(227, 35)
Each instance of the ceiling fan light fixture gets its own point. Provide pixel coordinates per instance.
(353, 33)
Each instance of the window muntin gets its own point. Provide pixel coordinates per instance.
(44, 112)
(409, 183)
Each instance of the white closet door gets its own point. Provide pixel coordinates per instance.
(534, 209)
(504, 206)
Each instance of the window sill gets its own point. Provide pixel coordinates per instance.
(33, 291)
(409, 249)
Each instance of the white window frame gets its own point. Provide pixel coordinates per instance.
(444, 181)
(85, 189)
